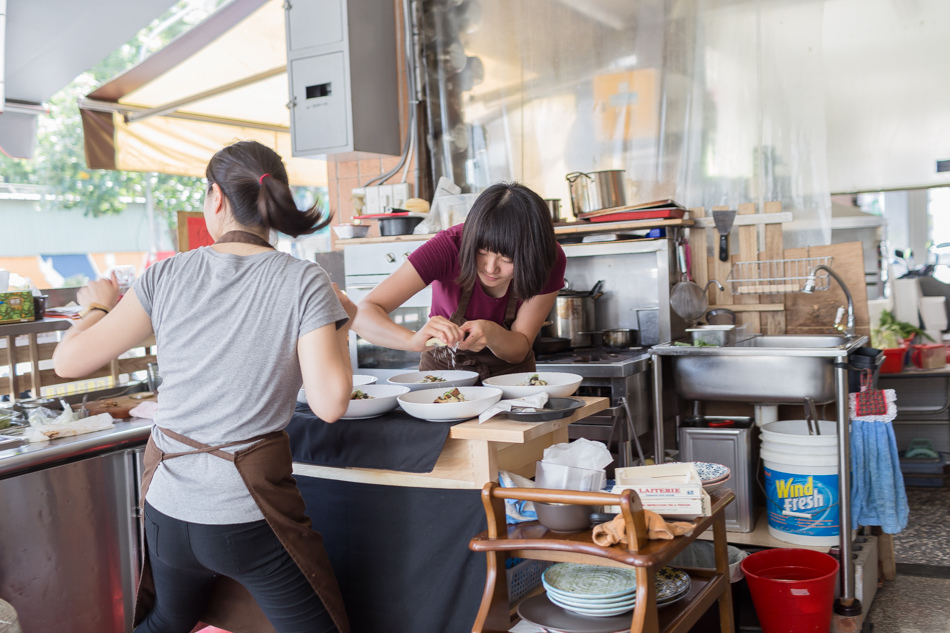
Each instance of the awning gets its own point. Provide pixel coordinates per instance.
(222, 81)
(47, 45)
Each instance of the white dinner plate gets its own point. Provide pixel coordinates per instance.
(382, 400)
(559, 384)
(421, 404)
(450, 378)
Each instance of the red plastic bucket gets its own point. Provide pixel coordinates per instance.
(793, 590)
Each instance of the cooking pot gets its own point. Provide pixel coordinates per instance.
(574, 316)
(554, 207)
(621, 337)
(596, 190)
(551, 345)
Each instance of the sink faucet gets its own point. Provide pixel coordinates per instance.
(810, 288)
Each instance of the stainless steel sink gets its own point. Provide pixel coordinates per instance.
(794, 341)
(760, 369)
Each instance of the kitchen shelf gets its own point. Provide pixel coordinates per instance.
(534, 541)
(560, 230)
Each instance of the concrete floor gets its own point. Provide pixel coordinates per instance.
(918, 600)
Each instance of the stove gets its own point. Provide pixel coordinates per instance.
(614, 374)
(598, 362)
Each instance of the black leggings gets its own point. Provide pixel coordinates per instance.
(186, 557)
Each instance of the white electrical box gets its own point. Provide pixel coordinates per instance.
(341, 69)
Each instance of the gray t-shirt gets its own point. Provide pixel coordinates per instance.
(226, 328)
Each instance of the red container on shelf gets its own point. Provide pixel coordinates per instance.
(929, 356)
(893, 360)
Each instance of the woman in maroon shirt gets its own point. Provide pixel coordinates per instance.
(494, 281)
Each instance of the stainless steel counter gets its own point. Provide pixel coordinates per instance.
(31, 456)
(35, 327)
(69, 530)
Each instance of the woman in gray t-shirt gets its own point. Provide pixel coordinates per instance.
(239, 327)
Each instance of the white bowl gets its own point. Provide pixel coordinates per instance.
(421, 404)
(349, 231)
(560, 384)
(383, 401)
(358, 379)
(453, 378)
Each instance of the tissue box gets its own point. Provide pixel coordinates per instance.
(16, 307)
(670, 490)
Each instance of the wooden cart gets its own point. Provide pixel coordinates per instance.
(533, 541)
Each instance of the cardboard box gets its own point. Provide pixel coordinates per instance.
(670, 490)
(16, 307)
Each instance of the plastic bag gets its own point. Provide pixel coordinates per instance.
(433, 222)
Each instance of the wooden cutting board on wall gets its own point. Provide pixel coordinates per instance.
(815, 313)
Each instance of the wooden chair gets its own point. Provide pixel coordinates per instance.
(534, 541)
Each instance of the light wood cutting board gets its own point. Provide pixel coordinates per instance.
(118, 407)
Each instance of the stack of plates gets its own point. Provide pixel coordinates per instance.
(605, 591)
(713, 475)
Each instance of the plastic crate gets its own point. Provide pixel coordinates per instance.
(524, 577)
(910, 467)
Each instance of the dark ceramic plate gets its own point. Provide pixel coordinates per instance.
(541, 611)
(554, 409)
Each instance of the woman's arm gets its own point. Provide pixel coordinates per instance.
(512, 345)
(99, 338)
(324, 355)
(373, 323)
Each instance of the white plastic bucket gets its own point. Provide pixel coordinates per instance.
(792, 436)
(801, 482)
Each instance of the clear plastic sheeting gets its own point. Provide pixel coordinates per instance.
(708, 102)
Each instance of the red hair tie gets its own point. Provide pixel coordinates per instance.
(261, 179)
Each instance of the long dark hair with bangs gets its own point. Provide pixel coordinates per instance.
(253, 178)
(511, 220)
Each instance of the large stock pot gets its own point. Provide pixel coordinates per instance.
(596, 190)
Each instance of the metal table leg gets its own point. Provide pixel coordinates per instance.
(847, 604)
(658, 448)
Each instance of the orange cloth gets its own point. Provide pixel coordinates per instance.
(615, 531)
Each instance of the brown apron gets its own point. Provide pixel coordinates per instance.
(267, 470)
(266, 467)
(484, 362)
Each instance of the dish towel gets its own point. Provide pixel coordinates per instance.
(532, 402)
(615, 531)
(877, 485)
(517, 510)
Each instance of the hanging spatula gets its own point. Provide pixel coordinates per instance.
(724, 220)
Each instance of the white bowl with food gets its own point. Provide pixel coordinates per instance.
(441, 378)
(449, 404)
(358, 379)
(556, 384)
(369, 401)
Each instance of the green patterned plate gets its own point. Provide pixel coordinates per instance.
(590, 584)
(589, 580)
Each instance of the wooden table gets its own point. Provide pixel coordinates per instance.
(473, 454)
(398, 541)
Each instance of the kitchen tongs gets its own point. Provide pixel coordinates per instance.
(811, 417)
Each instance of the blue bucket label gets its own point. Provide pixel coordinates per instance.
(803, 504)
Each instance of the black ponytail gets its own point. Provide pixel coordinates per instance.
(253, 178)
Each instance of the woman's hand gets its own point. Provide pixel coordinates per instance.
(437, 327)
(478, 334)
(105, 292)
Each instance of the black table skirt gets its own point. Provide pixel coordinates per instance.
(394, 441)
(401, 554)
